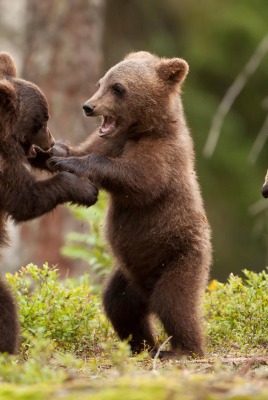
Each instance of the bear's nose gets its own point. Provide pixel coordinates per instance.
(88, 109)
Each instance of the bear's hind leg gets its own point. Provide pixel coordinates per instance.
(176, 301)
(127, 309)
(9, 324)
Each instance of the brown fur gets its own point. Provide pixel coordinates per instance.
(23, 133)
(156, 223)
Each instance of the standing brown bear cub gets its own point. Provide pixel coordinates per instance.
(156, 225)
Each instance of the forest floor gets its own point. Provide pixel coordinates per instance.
(216, 377)
(69, 349)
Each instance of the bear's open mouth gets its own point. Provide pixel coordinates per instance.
(108, 126)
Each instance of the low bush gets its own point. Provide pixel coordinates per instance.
(64, 311)
(237, 312)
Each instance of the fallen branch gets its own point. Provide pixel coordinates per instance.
(229, 360)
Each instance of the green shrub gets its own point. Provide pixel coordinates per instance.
(70, 315)
(64, 311)
(237, 312)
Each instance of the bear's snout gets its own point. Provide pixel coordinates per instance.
(88, 109)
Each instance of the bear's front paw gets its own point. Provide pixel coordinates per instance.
(87, 193)
(78, 190)
(60, 149)
(62, 164)
(54, 163)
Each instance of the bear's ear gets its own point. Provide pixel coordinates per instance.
(7, 66)
(8, 108)
(7, 97)
(173, 70)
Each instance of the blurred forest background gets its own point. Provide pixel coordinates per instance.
(66, 46)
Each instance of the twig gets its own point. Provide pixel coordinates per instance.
(158, 352)
(231, 95)
(259, 142)
(262, 360)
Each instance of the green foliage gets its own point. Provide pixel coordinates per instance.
(70, 316)
(66, 337)
(237, 312)
(37, 368)
(66, 312)
(42, 363)
(90, 246)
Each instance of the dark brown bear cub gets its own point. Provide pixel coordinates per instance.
(23, 134)
(142, 155)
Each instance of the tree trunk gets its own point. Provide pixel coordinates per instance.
(63, 56)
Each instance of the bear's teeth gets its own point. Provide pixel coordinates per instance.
(107, 126)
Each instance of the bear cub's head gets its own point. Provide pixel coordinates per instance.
(137, 93)
(23, 110)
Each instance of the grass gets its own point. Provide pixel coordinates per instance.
(69, 350)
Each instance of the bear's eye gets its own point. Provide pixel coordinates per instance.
(37, 129)
(118, 89)
(38, 125)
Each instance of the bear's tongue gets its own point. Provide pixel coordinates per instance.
(108, 126)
